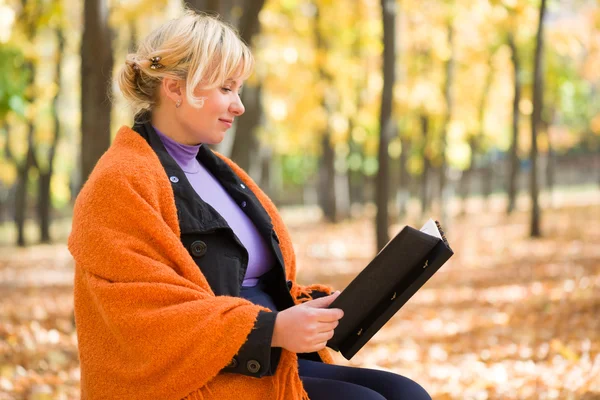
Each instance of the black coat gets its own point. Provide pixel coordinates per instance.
(221, 256)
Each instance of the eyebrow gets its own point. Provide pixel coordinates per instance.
(235, 82)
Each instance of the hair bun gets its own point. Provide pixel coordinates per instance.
(134, 83)
(186, 48)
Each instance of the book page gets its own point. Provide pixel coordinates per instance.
(430, 228)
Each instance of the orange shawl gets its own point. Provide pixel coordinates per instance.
(148, 324)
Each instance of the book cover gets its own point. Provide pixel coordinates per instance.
(396, 273)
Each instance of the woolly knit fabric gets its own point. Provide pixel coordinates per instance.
(148, 324)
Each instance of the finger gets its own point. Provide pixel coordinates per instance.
(322, 345)
(323, 337)
(322, 302)
(329, 315)
(317, 347)
(327, 326)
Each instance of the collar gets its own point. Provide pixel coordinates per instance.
(195, 215)
(183, 154)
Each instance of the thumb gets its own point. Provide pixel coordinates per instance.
(323, 302)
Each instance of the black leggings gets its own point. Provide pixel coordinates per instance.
(324, 381)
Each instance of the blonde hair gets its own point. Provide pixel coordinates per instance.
(197, 48)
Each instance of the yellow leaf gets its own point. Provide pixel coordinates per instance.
(563, 350)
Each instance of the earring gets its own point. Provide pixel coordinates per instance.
(178, 103)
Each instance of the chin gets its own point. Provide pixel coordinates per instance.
(210, 139)
(214, 140)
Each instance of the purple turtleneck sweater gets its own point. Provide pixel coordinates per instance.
(260, 259)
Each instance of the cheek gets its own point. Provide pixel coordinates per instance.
(217, 104)
(196, 114)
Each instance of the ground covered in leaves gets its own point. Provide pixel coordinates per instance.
(508, 317)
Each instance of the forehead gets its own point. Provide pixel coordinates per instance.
(234, 81)
(236, 76)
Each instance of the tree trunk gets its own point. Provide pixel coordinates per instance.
(488, 180)
(355, 177)
(327, 187)
(350, 175)
(550, 170)
(5, 190)
(513, 166)
(249, 25)
(245, 142)
(207, 6)
(356, 184)
(266, 180)
(133, 36)
(28, 163)
(385, 120)
(405, 181)
(342, 199)
(44, 205)
(488, 172)
(426, 166)
(535, 123)
(449, 108)
(20, 202)
(327, 190)
(22, 183)
(96, 75)
(5, 197)
(465, 182)
(45, 177)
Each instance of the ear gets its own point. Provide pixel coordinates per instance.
(172, 88)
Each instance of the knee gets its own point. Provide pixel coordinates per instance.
(418, 393)
(405, 389)
(413, 391)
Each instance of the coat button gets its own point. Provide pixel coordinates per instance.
(198, 248)
(253, 366)
(244, 204)
(233, 363)
(242, 186)
(174, 179)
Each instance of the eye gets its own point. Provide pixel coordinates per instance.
(227, 90)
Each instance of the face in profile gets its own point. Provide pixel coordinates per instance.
(209, 123)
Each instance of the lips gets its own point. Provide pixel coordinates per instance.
(227, 122)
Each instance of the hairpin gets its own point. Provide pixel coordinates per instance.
(156, 63)
(136, 67)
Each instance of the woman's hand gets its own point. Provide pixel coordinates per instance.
(306, 327)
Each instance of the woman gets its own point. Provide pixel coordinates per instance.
(185, 273)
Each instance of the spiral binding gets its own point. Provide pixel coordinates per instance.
(442, 233)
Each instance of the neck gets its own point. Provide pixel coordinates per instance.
(162, 119)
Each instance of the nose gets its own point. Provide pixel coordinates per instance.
(236, 107)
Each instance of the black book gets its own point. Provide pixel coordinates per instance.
(398, 271)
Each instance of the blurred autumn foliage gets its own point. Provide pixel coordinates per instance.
(508, 317)
(460, 103)
(491, 101)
